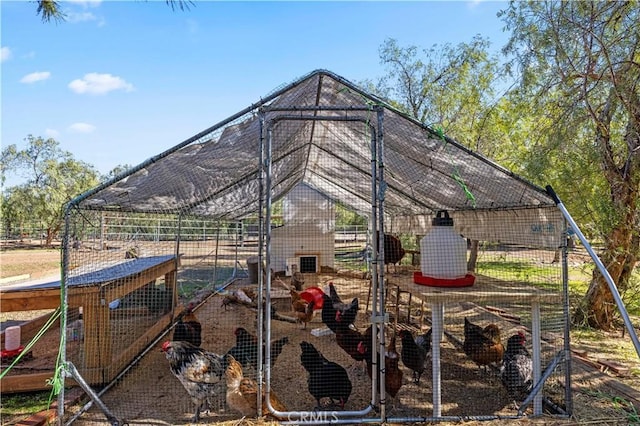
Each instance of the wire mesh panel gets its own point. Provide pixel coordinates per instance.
(208, 278)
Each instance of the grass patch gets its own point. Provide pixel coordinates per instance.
(20, 404)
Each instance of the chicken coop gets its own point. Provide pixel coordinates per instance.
(339, 329)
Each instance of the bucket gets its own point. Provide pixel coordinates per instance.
(12, 338)
(252, 266)
(443, 252)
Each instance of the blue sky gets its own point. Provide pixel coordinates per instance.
(121, 81)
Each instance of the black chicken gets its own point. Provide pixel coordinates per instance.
(414, 352)
(517, 367)
(338, 312)
(245, 350)
(188, 328)
(326, 379)
(350, 340)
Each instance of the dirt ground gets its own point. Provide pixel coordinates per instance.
(149, 394)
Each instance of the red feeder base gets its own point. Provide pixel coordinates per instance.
(466, 281)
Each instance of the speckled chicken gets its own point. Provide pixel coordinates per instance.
(199, 371)
(517, 367)
(415, 351)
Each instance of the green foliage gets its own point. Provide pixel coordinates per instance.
(54, 178)
(49, 10)
(347, 216)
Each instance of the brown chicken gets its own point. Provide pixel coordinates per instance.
(393, 373)
(199, 371)
(188, 328)
(298, 304)
(307, 315)
(242, 392)
(483, 345)
(393, 251)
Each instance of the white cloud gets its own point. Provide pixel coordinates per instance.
(86, 3)
(52, 133)
(82, 128)
(35, 76)
(5, 53)
(75, 17)
(99, 84)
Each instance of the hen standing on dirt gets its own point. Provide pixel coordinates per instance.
(199, 371)
(246, 349)
(242, 392)
(482, 345)
(415, 351)
(517, 368)
(326, 379)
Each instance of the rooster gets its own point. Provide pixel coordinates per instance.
(517, 367)
(483, 345)
(242, 392)
(199, 371)
(326, 379)
(415, 351)
(333, 314)
(188, 328)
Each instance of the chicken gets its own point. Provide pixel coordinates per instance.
(393, 373)
(199, 371)
(329, 313)
(307, 315)
(245, 350)
(483, 345)
(414, 355)
(298, 304)
(242, 392)
(517, 367)
(333, 294)
(326, 379)
(393, 251)
(188, 328)
(349, 340)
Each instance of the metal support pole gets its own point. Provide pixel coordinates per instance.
(601, 268)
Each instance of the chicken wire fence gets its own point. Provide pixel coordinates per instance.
(233, 233)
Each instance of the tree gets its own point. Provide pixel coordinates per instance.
(52, 10)
(53, 179)
(449, 88)
(580, 62)
(445, 86)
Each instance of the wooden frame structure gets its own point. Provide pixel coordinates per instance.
(93, 291)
